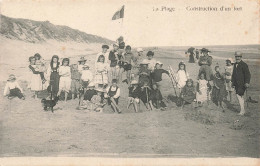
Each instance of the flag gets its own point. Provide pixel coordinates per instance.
(119, 14)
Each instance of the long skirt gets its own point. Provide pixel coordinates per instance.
(54, 83)
(35, 83)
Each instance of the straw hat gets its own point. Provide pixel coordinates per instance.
(82, 59)
(11, 77)
(158, 62)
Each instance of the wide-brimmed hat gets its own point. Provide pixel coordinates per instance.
(85, 66)
(237, 53)
(159, 62)
(82, 59)
(11, 77)
(134, 82)
(204, 50)
(105, 46)
(140, 50)
(230, 59)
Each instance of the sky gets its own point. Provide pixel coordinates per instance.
(142, 26)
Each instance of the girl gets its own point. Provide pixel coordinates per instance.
(134, 91)
(40, 66)
(219, 89)
(35, 78)
(12, 88)
(113, 94)
(53, 72)
(65, 78)
(188, 93)
(82, 62)
(145, 96)
(228, 75)
(202, 90)
(101, 76)
(182, 76)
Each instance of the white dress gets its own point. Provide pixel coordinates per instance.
(101, 77)
(65, 79)
(35, 83)
(203, 88)
(182, 77)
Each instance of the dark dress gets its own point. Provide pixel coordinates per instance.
(241, 75)
(188, 93)
(54, 80)
(89, 94)
(191, 58)
(134, 92)
(112, 58)
(219, 94)
(145, 94)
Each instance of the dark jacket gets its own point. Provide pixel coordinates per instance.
(241, 75)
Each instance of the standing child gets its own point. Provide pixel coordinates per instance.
(65, 78)
(113, 94)
(133, 98)
(128, 57)
(75, 80)
(156, 97)
(40, 66)
(145, 96)
(188, 93)
(113, 57)
(144, 74)
(202, 90)
(228, 75)
(157, 74)
(182, 76)
(101, 76)
(150, 60)
(82, 62)
(219, 89)
(12, 88)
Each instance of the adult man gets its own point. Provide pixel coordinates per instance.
(240, 80)
(205, 62)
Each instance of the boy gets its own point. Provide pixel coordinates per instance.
(150, 60)
(144, 74)
(157, 74)
(113, 61)
(113, 94)
(134, 91)
(12, 88)
(145, 96)
(75, 80)
(128, 57)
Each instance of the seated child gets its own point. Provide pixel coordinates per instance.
(157, 98)
(202, 90)
(96, 101)
(75, 80)
(157, 74)
(133, 98)
(144, 74)
(219, 89)
(12, 88)
(188, 93)
(87, 96)
(40, 67)
(113, 94)
(145, 96)
(86, 77)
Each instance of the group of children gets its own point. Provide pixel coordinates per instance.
(143, 77)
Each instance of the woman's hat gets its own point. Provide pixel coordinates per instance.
(158, 62)
(82, 59)
(150, 53)
(105, 46)
(91, 84)
(237, 53)
(134, 82)
(230, 59)
(11, 77)
(204, 50)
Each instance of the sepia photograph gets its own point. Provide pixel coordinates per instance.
(130, 79)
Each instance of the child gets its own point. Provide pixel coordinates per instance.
(113, 57)
(53, 72)
(104, 53)
(145, 96)
(96, 100)
(113, 94)
(133, 98)
(228, 75)
(35, 83)
(86, 78)
(144, 74)
(101, 76)
(40, 66)
(75, 80)
(82, 62)
(12, 88)
(65, 78)
(128, 57)
(219, 89)
(182, 76)
(86, 97)
(157, 74)
(202, 90)
(188, 93)
(157, 98)
(150, 60)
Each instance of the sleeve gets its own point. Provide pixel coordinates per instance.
(6, 89)
(18, 86)
(199, 62)
(209, 60)
(110, 55)
(33, 70)
(233, 75)
(117, 93)
(187, 75)
(247, 74)
(165, 71)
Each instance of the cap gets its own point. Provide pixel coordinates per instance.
(237, 53)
